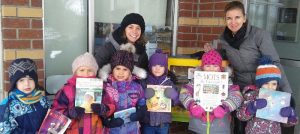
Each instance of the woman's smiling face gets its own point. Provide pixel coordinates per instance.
(235, 19)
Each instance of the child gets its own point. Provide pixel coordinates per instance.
(84, 66)
(123, 92)
(159, 122)
(25, 108)
(268, 76)
(220, 116)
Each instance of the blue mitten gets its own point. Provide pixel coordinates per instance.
(141, 110)
(113, 122)
(290, 113)
(149, 93)
(257, 104)
(171, 93)
(100, 109)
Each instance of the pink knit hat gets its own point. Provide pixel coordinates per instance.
(212, 57)
(87, 60)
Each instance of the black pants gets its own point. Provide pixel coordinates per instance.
(238, 126)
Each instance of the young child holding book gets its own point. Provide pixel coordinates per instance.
(268, 76)
(84, 66)
(219, 118)
(123, 93)
(25, 107)
(159, 122)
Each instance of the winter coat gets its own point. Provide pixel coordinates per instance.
(257, 42)
(123, 95)
(159, 118)
(64, 102)
(17, 117)
(257, 125)
(103, 53)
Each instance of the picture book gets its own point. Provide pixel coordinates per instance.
(88, 91)
(159, 102)
(210, 88)
(125, 114)
(275, 101)
(54, 123)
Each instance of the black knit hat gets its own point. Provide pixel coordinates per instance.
(133, 18)
(20, 68)
(124, 58)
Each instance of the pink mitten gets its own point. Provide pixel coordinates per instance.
(196, 110)
(220, 111)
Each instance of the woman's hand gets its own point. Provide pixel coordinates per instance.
(207, 47)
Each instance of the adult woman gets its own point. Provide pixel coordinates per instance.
(244, 45)
(131, 31)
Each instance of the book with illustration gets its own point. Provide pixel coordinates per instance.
(159, 102)
(210, 88)
(88, 91)
(54, 123)
(275, 101)
(125, 114)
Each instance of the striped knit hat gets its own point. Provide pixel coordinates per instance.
(266, 71)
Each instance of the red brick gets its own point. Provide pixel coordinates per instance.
(205, 30)
(30, 34)
(9, 33)
(195, 14)
(41, 74)
(6, 86)
(6, 76)
(39, 64)
(200, 37)
(187, 36)
(219, 14)
(183, 43)
(36, 24)
(220, 6)
(217, 30)
(194, 29)
(195, 7)
(209, 37)
(36, 3)
(184, 29)
(208, 6)
(6, 65)
(203, 1)
(206, 14)
(37, 44)
(16, 44)
(187, 6)
(185, 13)
(15, 2)
(15, 23)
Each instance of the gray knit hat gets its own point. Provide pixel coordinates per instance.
(87, 60)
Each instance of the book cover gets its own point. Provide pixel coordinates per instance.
(275, 101)
(125, 114)
(54, 123)
(159, 102)
(210, 88)
(88, 91)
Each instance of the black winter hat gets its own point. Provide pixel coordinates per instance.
(124, 58)
(133, 18)
(20, 68)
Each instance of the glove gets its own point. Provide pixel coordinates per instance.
(257, 104)
(290, 113)
(113, 122)
(196, 110)
(149, 93)
(171, 93)
(141, 109)
(220, 111)
(100, 109)
(76, 113)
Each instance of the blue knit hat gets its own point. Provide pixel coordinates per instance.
(266, 71)
(158, 58)
(20, 68)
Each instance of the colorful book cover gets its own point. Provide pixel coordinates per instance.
(275, 101)
(159, 102)
(210, 88)
(125, 114)
(88, 91)
(54, 123)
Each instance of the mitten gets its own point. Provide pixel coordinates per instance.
(290, 113)
(149, 93)
(113, 122)
(196, 110)
(100, 109)
(171, 93)
(141, 109)
(257, 104)
(220, 111)
(76, 113)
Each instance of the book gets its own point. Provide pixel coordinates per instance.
(275, 101)
(159, 102)
(54, 123)
(88, 91)
(210, 88)
(125, 114)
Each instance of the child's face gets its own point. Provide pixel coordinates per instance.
(158, 70)
(121, 73)
(84, 71)
(211, 68)
(26, 84)
(133, 32)
(271, 85)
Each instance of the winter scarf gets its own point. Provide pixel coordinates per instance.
(237, 39)
(30, 98)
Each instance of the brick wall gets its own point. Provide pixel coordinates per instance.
(22, 30)
(200, 21)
